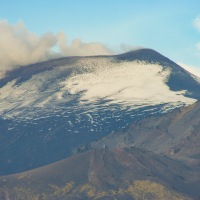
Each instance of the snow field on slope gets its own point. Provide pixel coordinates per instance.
(126, 83)
(89, 82)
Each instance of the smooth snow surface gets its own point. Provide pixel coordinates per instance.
(88, 84)
(125, 83)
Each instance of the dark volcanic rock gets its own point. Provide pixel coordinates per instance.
(107, 174)
(49, 109)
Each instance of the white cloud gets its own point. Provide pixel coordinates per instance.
(196, 23)
(2, 74)
(126, 47)
(19, 46)
(80, 48)
(192, 69)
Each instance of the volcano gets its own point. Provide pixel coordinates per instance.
(49, 109)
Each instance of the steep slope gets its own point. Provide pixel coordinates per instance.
(102, 174)
(179, 79)
(50, 108)
(175, 134)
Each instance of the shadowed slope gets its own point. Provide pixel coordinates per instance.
(118, 173)
(47, 109)
(175, 134)
(179, 78)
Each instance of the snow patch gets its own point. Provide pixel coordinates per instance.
(125, 83)
(89, 84)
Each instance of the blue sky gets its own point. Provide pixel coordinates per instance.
(164, 25)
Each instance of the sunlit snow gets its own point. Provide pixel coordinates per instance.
(126, 83)
(123, 84)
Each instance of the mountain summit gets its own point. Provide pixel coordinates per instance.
(179, 78)
(47, 109)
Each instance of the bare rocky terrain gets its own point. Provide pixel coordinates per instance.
(105, 127)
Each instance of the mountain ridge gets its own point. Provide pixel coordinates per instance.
(144, 54)
(133, 116)
(174, 134)
(105, 171)
(49, 109)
